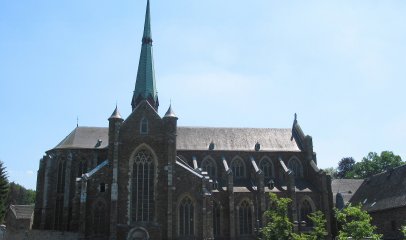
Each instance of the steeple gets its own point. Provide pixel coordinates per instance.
(145, 87)
(116, 114)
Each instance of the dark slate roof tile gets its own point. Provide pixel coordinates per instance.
(85, 137)
(22, 211)
(197, 138)
(347, 188)
(383, 191)
(235, 139)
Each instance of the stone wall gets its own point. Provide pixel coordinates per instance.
(41, 235)
(389, 221)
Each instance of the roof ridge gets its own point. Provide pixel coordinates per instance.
(201, 127)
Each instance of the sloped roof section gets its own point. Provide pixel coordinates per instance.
(85, 137)
(235, 139)
(197, 138)
(347, 188)
(383, 191)
(22, 211)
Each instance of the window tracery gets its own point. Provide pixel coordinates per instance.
(267, 168)
(295, 166)
(245, 218)
(305, 211)
(186, 217)
(143, 187)
(209, 166)
(238, 168)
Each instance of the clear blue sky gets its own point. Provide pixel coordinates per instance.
(341, 65)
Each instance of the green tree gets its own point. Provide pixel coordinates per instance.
(355, 223)
(3, 190)
(373, 164)
(278, 224)
(319, 231)
(344, 166)
(18, 195)
(403, 230)
(332, 172)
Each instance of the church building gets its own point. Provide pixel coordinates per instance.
(145, 177)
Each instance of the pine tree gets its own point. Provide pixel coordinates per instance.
(3, 190)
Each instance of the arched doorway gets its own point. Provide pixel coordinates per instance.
(138, 233)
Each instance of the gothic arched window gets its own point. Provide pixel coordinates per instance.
(216, 219)
(295, 166)
(186, 217)
(305, 210)
(209, 166)
(82, 168)
(245, 218)
(61, 177)
(238, 168)
(142, 205)
(267, 168)
(144, 126)
(99, 219)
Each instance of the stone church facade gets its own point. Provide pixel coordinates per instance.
(145, 177)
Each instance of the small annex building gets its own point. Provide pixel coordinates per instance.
(343, 190)
(19, 217)
(383, 196)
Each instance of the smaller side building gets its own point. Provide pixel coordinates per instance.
(19, 217)
(384, 197)
(343, 190)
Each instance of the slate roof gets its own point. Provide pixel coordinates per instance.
(383, 191)
(85, 138)
(22, 211)
(347, 188)
(196, 138)
(235, 139)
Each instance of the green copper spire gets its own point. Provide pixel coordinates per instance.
(145, 87)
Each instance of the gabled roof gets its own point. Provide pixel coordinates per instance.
(347, 188)
(85, 137)
(197, 138)
(22, 211)
(383, 191)
(235, 139)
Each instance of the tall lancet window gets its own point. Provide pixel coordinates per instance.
(305, 210)
(245, 218)
(61, 177)
(60, 187)
(186, 215)
(267, 168)
(296, 167)
(144, 126)
(209, 166)
(143, 187)
(238, 168)
(99, 219)
(216, 219)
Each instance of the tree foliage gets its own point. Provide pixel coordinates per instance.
(344, 166)
(403, 230)
(355, 223)
(3, 190)
(332, 172)
(279, 225)
(18, 195)
(319, 231)
(373, 164)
